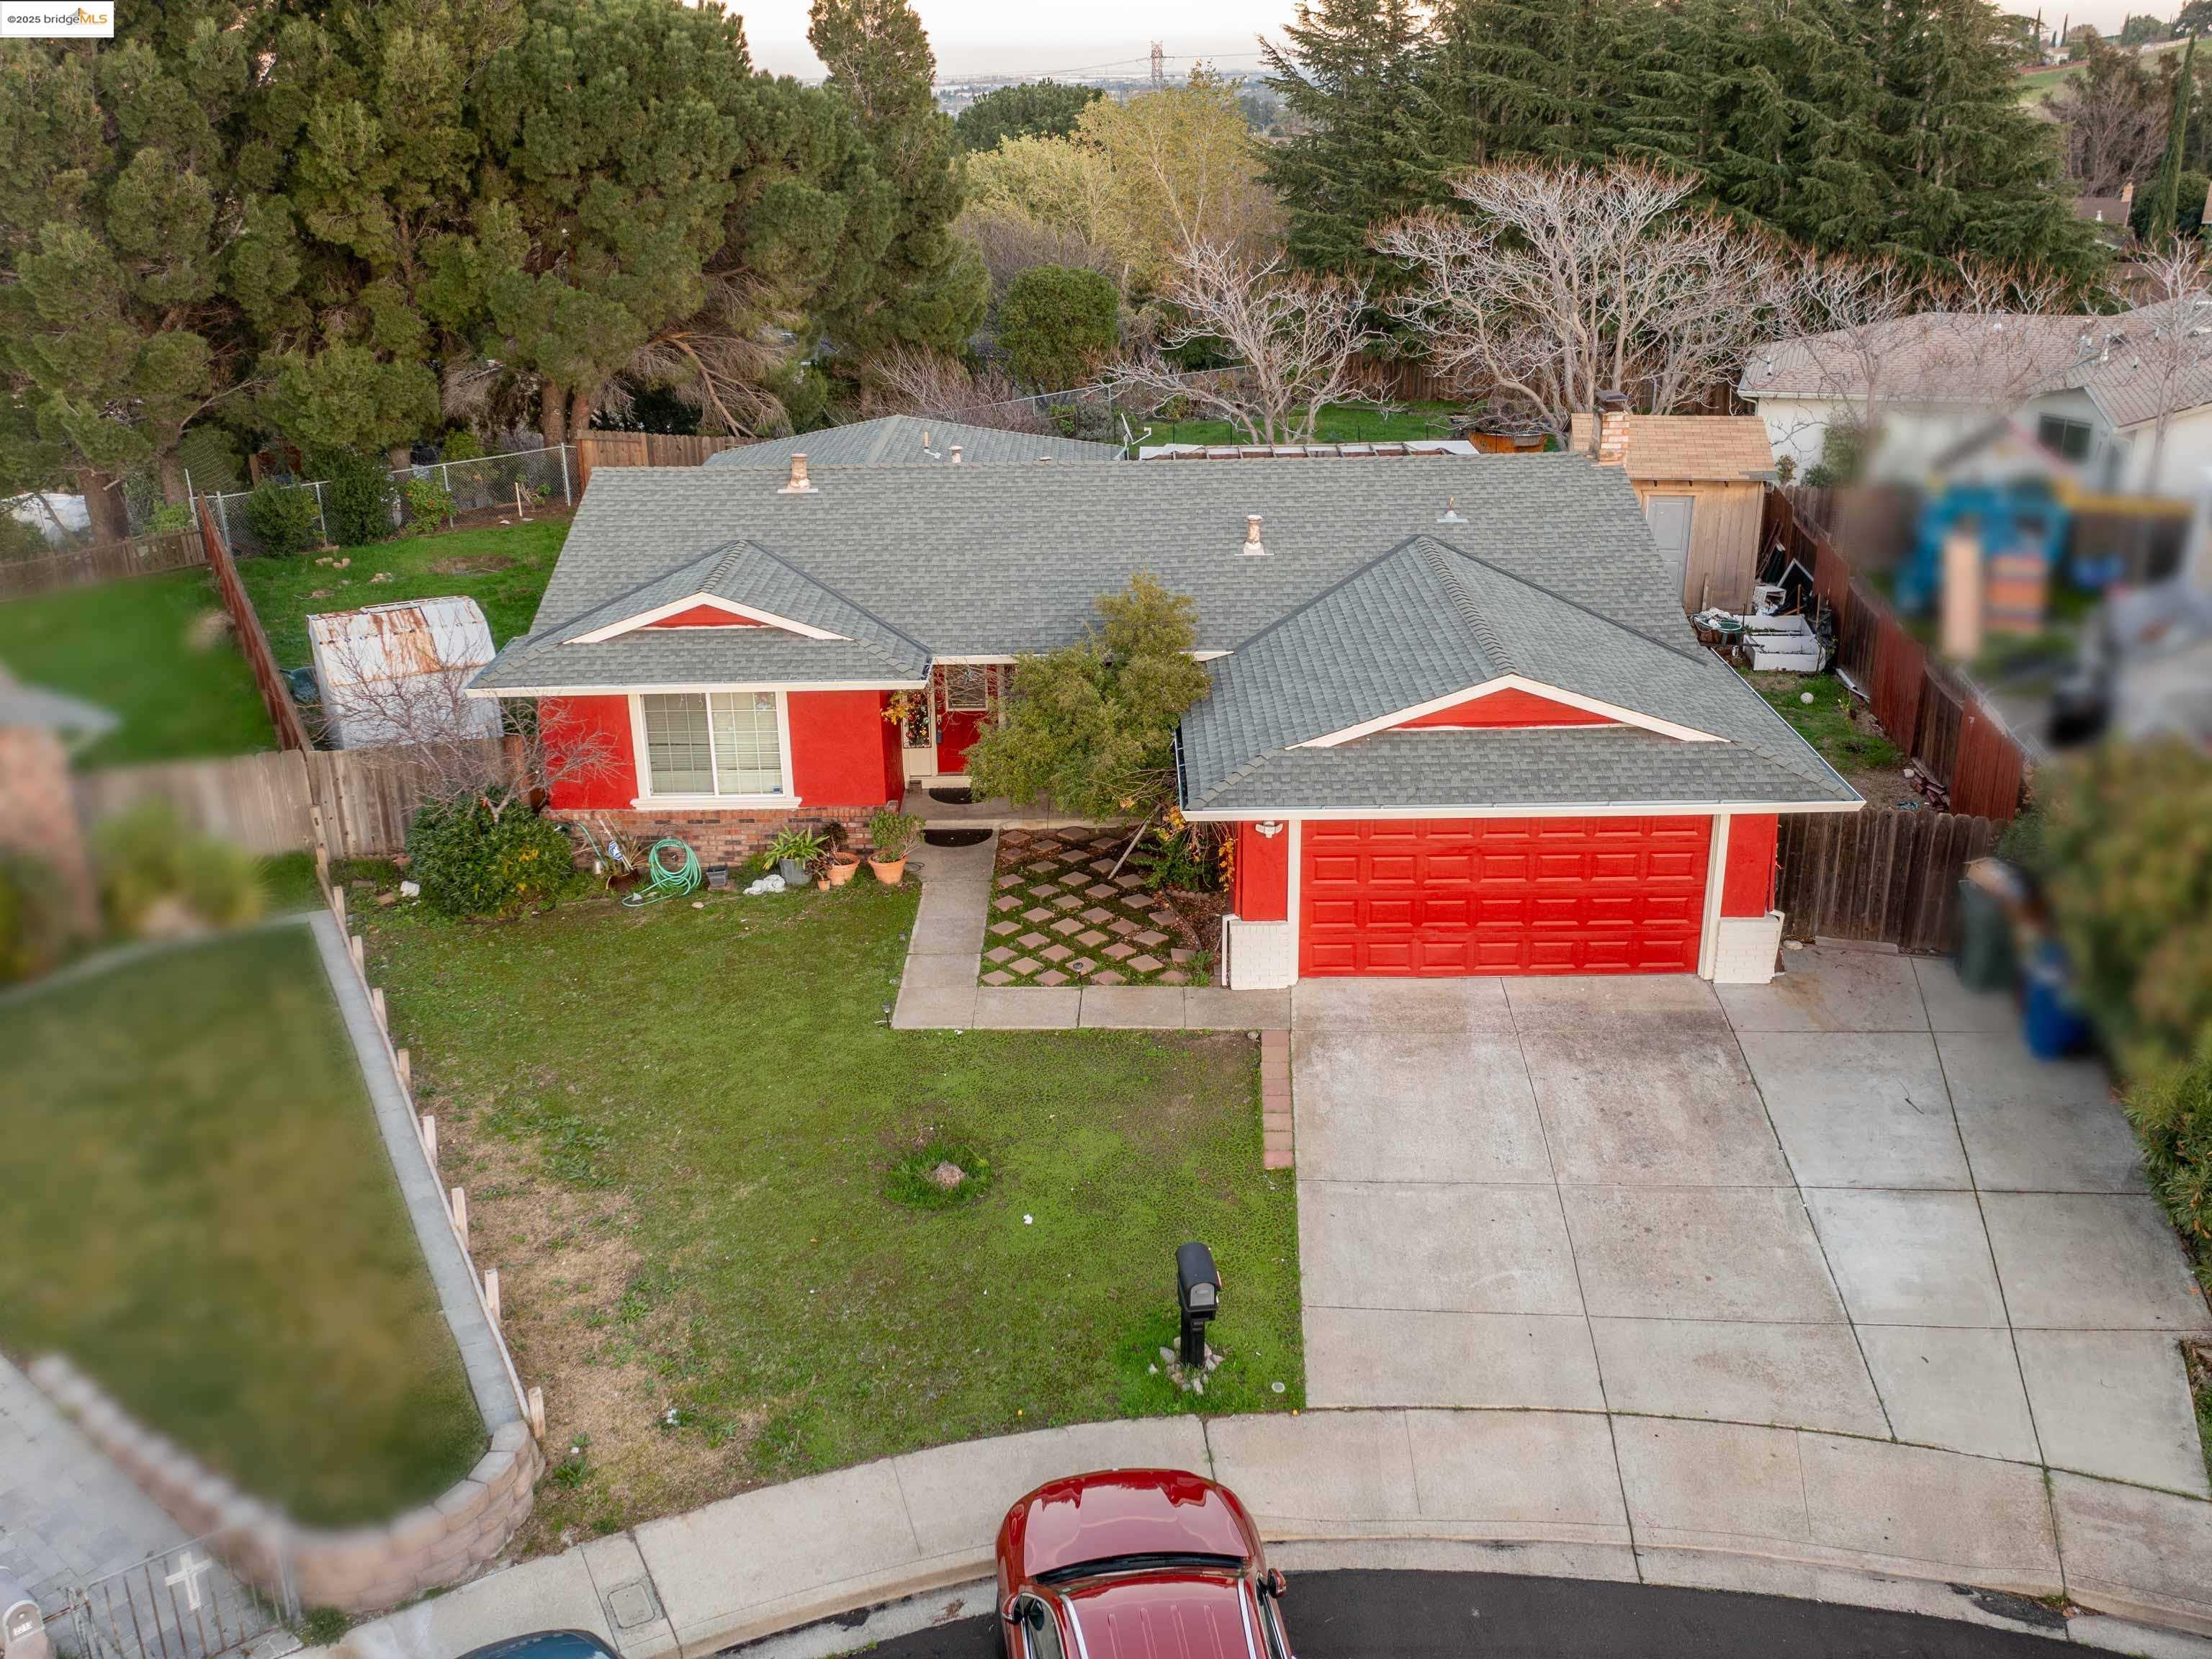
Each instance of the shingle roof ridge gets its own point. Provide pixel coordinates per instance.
(711, 562)
(1688, 654)
(1487, 639)
(1330, 591)
(817, 583)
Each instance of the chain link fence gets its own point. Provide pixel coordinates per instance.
(516, 483)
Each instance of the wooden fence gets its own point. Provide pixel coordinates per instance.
(1927, 710)
(276, 695)
(268, 803)
(598, 449)
(102, 562)
(1890, 876)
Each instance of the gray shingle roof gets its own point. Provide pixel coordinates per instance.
(1426, 621)
(895, 439)
(1551, 572)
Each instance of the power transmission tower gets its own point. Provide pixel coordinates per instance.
(1159, 64)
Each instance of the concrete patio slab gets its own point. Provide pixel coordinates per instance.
(1952, 1007)
(1804, 1377)
(1701, 1479)
(1215, 1008)
(935, 1008)
(1432, 1106)
(1134, 1007)
(1459, 1246)
(1859, 1108)
(2037, 1126)
(1428, 1005)
(1728, 1253)
(1955, 1388)
(1908, 1258)
(1831, 989)
(2138, 1553)
(1367, 1356)
(1027, 1008)
(1547, 1472)
(1906, 1502)
(1544, 1002)
(2074, 1262)
(949, 972)
(2115, 1403)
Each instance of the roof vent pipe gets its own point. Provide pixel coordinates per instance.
(797, 484)
(1451, 513)
(956, 454)
(925, 437)
(1252, 542)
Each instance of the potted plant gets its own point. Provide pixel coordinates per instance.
(791, 851)
(839, 863)
(891, 832)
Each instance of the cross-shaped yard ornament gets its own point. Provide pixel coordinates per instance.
(188, 1574)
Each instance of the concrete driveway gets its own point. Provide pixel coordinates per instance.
(1850, 1201)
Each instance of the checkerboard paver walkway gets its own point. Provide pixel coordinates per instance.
(1062, 915)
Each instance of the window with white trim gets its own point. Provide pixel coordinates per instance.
(719, 742)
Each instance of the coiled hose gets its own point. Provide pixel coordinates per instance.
(667, 883)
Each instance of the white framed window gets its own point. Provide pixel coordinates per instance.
(967, 688)
(712, 746)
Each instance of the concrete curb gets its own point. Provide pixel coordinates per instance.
(1874, 1523)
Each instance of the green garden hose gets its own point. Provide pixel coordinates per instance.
(667, 883)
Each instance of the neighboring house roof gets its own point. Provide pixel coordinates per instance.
(1690, 448)
(1426, 621)
(1379, 582)
(2133, 366)
(34, 706)
(897, 439)
(1392, 448)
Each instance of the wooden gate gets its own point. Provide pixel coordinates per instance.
(1890, 876)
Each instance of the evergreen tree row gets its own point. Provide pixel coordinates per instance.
(1872, 127)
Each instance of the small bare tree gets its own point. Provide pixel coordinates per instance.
(1295, 338)
(411, 705)
(1556, 283)
(2167, 341)
(915, 380)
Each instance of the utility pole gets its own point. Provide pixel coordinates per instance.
(1159, 65)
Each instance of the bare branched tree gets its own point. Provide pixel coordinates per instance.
(914, 381)
(409, 702)
(2166, 345)
(1295, 337)
(1558, 282)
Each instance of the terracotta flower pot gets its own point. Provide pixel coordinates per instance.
(841, 867)
(890, 872)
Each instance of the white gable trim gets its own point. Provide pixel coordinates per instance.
(712, 602)
(1513, 682)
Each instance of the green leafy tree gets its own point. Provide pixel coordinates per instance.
(1028, 109)
(1091, 727)
(2165, 206)
(1058, 324)
(2140, 26)
(928, 287)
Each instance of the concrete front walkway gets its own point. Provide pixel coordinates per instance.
(940, 989)
(1849, 1202)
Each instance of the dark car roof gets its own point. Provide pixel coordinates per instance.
(1163, 1616)
(545, 1644)
(1125, 1512)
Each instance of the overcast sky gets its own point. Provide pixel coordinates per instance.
(1058, 37)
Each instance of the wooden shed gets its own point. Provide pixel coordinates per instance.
(1701, 479)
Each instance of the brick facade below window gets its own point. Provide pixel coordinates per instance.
(720, 838)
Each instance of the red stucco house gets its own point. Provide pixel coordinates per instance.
(1457, 719)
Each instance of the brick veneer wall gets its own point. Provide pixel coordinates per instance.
(360, 1570)
(720, 837)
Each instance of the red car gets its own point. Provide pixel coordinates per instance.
(1136, 1564)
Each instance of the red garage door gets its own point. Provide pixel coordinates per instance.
(1503, 896)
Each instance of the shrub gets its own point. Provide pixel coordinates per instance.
(891, 832)
(155, 873)
(474, 862)
(358, 497)
(2173, 1112)
(430, 504)
(283, 518)
(461, 444)
(170, 515)
(34, 919)
(1058, 323)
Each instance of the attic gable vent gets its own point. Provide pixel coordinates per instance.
(1252, 542)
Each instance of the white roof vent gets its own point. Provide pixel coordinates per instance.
(798, 483)
(1451, 513)
(956, 455)
(1252, 542)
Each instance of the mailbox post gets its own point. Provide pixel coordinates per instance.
(22, 1627)
(1197, 1298)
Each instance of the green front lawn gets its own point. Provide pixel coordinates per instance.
(503, 567)
(151, 651)
(204, 1219)
(1339, 423)
(689, 1140)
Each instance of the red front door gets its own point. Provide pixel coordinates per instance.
(1502, 895)
(964, 693)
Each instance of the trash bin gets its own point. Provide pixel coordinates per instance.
(2051, 1020)
(1986, 953)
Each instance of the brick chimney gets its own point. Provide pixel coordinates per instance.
(797, 484)
(1252, 542)
(1611, 430)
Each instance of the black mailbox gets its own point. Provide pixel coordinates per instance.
(1197, 1298)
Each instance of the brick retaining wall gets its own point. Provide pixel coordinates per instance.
(361, 1570)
